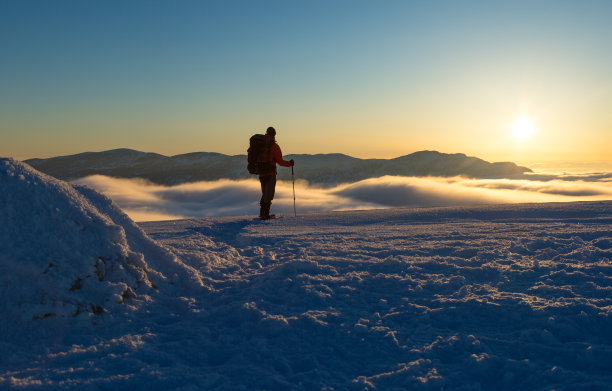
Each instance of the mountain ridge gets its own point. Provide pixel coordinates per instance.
(321, 169)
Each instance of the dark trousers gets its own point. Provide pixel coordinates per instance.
(268, 186)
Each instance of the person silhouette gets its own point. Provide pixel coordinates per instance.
(267, 177)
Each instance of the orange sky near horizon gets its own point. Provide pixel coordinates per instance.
(364, 79)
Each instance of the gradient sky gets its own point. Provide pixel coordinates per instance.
(365, 78)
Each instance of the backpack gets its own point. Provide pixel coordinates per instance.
(257, 156)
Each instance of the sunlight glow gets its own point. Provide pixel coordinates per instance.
(522, 128)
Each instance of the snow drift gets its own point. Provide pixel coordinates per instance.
(68, 251)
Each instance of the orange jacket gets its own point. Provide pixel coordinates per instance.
(275, 156)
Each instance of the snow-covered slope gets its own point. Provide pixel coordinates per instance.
(512, 297)
(67, 252)
(507, 297)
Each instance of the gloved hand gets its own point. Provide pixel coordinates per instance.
(292, 162)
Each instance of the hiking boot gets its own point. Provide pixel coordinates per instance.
(264, 210)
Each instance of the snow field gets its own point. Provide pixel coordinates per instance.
(502, 297)
(514, 297)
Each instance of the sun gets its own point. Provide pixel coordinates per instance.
(522, 128)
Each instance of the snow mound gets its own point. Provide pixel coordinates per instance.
(68, 251)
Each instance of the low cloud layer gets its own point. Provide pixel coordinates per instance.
(144, 201)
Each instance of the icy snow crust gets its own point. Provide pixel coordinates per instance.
(512, 297)
(68, 252)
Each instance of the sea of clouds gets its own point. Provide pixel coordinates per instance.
(145, 201)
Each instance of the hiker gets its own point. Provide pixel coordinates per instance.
(267, 177)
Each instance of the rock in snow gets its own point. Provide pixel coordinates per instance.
(501, 297)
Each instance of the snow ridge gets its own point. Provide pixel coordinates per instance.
(71, 252)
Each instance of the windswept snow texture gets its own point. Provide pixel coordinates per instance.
(69, 255)
(512, 297)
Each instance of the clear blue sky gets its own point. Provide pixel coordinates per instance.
(365, 78)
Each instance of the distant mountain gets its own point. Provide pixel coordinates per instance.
(322, 169)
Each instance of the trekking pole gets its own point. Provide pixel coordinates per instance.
(293, 180)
